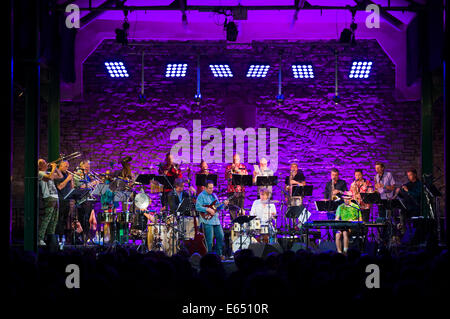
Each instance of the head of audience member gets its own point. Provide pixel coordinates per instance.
(209, 187)
(335, 174)
(412, 175)
(379, 167)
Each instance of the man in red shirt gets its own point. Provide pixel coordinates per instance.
(168, 168)
(237, 202)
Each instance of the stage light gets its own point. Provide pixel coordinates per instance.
(360, 69)
(176, 70)
(116, 69)
(221, 70)
(303, 71)
(258, 70)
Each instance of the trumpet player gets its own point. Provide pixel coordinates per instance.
(47, 226)
(358, 186)
(64, 184)
(86, 215)
(170, 169)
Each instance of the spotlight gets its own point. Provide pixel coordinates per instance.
(280, 99)
(360, 69)
(258, 70)
(232, 31)
(303, 71)
(176, 70)
(141, 99)
(197, 98)
(221, 70)
(336, 99)
(116, 69)
(122, 34)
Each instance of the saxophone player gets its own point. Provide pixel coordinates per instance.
(296, 177)
(358, 186)
(334, 188)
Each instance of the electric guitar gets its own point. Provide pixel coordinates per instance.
(214, 205)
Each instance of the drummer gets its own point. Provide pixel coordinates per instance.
(262, 209)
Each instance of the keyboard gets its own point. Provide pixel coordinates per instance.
(335, 224)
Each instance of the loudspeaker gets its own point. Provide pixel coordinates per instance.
(262, 250)
(327, 245)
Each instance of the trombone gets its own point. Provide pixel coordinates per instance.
(63, 157)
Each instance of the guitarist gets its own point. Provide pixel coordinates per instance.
(209, 218)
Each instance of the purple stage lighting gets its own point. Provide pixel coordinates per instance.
(221, 70)
(116, 69)
(258, 70)
(360, 69)
(176, 70)
(303, 71)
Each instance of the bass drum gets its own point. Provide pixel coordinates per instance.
(246, 241)
(159, 238)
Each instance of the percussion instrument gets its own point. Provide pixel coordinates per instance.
(246, 241)
(141, 200)
(106, 217)
(255, 224)
(124, 217)
(264, 229)
(155, 187)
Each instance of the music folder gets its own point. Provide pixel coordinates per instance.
(371, 198)
(200, 179)
(167, 181)
(326, 205)
(145, 179)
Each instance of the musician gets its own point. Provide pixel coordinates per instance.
(237, 202)
(262, 170)
(334, 188)
(47, 226)
(358, 186)
(64, 185)
(296, 177)
(410, 193)
(177, 196)
(168, 168)
(204, 170)
(211, 227)
(125, 173)
(347, 211)
(262, 209)
(86, 214)
(384, 184)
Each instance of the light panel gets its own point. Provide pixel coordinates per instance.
(360, 69)
(303, 71)
(176, 70)
(116, 69)
(258, 70)
(221, 70)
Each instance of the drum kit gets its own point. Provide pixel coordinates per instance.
(247, 230)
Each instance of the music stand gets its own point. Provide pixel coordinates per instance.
(266, 180)
(294, 211)
(371, 198)
(390, 204)
(200, 179)
(242, 180)
(326, 205)
(302, 190)
(77, 194)
(145, 179)
(166, 181)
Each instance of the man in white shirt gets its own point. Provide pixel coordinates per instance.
(262, 170)
(262, 209)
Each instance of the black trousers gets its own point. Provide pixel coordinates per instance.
(84, 212)
(64, 212)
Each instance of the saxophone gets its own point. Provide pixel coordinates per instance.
(333, 197)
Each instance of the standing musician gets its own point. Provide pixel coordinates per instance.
(47, 226)
(262, 170)
(296, 177)
(211, 227)
(128, 177)
(410, 193)
(238, 191)
(204, 170)
(384, 184)
(347, 211)
(168, 168)
(358, 186)
(333, 188)
(64, 185)
(86, 215)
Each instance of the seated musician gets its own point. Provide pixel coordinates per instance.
(348, 211)
(334, 188)
(211, 227)
(261, 208)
